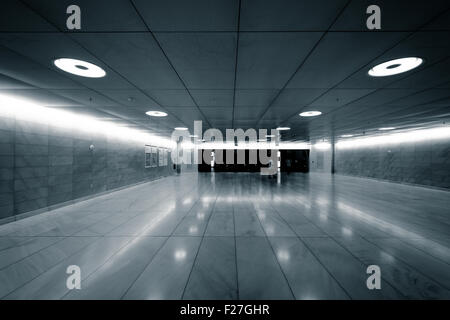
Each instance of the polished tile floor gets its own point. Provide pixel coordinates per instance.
(236, 236)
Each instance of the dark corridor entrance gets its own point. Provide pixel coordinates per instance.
(290, 161)
(294, 160)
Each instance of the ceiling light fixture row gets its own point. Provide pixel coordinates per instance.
(396, 66)
(155, 113)
(388, 68)
(80, 68)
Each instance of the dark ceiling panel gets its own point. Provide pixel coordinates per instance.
(45, 48)
(422, 97)
(213, 98)
(16, 17)
(136, 57)
(85, 96)
(254, 98)
(217, 112)
(247, 113)
(98, 15)
(296, 98)
(131, 98)
(398, 15)
(338, 97)
(441, 23)
(203, 60)
(28, 71)
(187, 114)
(434, 75)
(172, 98)
(289, 15)
(339, 55)
(278, 114)
(379, 97)
(267, 60)
(196, 15)
(433, 47)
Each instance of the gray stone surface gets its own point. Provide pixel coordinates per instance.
(424, 163)
(42, 166)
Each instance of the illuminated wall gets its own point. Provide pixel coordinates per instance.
(418, 157)
(43, 163)
(320, 158)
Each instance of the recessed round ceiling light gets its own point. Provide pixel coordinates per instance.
(346, 136)
(396, 66)
(181, 128)
(283, 128)
(310, 113)
(80, 68)
(156, 114)
(386, 128)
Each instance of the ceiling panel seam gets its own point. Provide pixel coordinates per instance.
(378, 56)
(96, 91)
(301, 63)
(169, 61)
(236, 63)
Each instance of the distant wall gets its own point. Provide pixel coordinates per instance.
(43, 165)
(424, 163)
(320, 160)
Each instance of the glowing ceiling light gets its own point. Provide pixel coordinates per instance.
(310, 114)
(397, 138)
(346, 136)
(156, 113)
(181, 128)
(396, 66)
(283, 128)
(270, 136)
(386, 128)
(80, 68)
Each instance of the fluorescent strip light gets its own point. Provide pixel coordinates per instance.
(412, 136)
(20, 109)
(322, 145)
(249, 145)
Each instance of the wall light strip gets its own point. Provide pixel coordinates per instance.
(248, 145)
(26, 110)
(412, 136)
(322, 145)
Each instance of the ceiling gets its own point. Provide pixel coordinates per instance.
(233, 63)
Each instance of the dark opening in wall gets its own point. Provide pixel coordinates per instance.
(291, 161)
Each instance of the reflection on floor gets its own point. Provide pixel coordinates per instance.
(236, 236)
